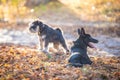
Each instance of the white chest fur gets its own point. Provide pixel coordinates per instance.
(43, 36)
(74, 53)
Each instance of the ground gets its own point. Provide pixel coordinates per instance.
(22, 62)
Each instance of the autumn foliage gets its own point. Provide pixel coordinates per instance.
(26, 63)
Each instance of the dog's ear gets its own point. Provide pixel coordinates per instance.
(79, 31)
(40, 23)
(37, 21)
(82, 31)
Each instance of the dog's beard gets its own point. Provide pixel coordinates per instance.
(34, 30)
(37, 28)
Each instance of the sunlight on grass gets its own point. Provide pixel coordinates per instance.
(98, 8)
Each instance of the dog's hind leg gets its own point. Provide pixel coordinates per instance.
(56, 45)
(64, 45)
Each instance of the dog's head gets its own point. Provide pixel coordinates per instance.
(86, 38)
(35, 26)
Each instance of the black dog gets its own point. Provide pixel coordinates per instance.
(79, 49)
(47, 34)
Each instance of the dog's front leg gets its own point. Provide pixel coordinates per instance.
(40, 43)
(46, 46)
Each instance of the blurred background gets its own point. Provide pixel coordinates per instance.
(85, 10)
(100, 18)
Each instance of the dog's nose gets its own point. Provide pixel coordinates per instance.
(95, 41)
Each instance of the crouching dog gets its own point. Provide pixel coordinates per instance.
(48, 35)
(79, 55)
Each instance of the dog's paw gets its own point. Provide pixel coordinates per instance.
(39, 49)
(67, 52)
(45, 51)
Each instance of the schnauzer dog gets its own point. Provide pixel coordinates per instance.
(48, 35)
(79, 55)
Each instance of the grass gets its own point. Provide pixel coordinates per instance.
(44, 8)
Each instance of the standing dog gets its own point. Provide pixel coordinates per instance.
(79, 49)
(47, 34)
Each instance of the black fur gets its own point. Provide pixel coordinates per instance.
(79, 55)
(48, 34)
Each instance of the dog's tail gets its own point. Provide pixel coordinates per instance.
(59, 30)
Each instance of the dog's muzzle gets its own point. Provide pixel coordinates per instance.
(32, 30)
